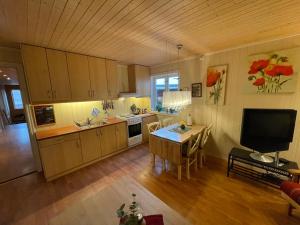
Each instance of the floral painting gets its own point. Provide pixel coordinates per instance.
(215, 84)
(272, 73)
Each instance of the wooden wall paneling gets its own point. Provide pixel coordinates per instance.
(79, 76)
(97, 16)
(63, 21)
(59, 75)
(82, 8)
(46, 7)
(112, 29)
(82, 23)
(98, 78)
(122, 11)
(37, 74)
(56, 11)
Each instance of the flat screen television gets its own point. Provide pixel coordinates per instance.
(267, 130)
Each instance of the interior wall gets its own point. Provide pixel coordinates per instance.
(189, 71)
(67, 113)
(227, 119)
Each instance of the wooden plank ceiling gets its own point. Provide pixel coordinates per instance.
(146, 31)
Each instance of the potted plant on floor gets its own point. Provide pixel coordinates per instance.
(133, 216)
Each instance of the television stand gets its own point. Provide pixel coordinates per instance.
(241, 163)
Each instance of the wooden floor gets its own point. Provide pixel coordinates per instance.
(16, 157)
(208, 198)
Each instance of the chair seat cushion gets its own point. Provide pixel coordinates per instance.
(292, 190)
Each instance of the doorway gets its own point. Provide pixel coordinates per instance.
(16, 158)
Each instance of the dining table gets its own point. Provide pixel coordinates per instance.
(167, 143)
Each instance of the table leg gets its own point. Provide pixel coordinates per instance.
(179, 172)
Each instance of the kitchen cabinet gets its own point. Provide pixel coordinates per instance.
(108, 140)
(112, 79)
(60, 154)
(79, 77)
(121, 135)
(139, 80)
(146, 120)
(37, 73)
(98, 78)
(91, 147)
(59, 76)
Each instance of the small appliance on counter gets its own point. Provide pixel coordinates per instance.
(44, 115)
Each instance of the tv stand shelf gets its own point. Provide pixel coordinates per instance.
(240, 163)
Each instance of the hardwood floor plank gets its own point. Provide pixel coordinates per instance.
(209, 197)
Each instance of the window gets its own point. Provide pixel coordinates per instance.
(17, 99)
(161, 83)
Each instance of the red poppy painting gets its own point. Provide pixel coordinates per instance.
(215, 84)
(272, 73)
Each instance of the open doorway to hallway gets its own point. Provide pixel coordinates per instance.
(16, 158)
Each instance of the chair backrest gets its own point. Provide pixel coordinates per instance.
(153, 126)
(167, 122)
(194, 142)
(205, 135)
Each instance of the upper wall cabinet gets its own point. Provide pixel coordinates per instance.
(79, 77)
(37, 74)
(58, 70)
(112, 79)
(139, 80)
(98, 78)
(56, 76)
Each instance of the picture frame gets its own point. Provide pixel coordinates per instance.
(197, 90)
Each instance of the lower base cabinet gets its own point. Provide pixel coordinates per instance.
(60, 154)
(65, 153)
(90, 142)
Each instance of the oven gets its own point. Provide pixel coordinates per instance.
(135, 136)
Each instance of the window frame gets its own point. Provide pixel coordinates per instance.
(153, 89)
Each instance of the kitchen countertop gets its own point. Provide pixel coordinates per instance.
(49, 133)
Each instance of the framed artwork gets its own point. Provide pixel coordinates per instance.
(196, 90)
(216, 84)
(273, 73)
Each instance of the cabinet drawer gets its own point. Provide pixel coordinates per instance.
(58, 140)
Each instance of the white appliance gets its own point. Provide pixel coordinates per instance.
(134, 126)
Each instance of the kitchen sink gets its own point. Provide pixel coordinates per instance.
(85, 125)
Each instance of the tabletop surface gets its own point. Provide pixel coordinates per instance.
(166, 133)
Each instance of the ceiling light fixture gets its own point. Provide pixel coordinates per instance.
(4, 75)
(8, 78)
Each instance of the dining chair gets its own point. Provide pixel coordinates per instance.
(190, 153)
(168, 121)
(201, 152)
(154, 126)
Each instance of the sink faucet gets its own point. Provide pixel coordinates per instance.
(89, 121)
